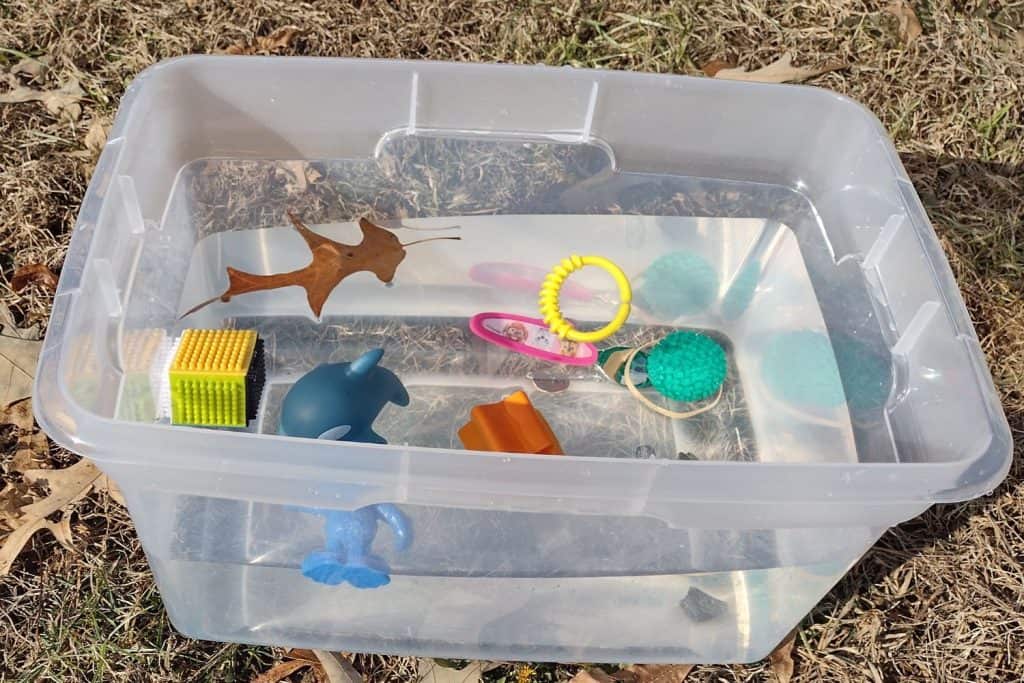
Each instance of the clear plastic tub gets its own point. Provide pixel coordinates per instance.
(857, 394)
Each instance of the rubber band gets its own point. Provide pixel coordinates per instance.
(628, 379)
(551, 312)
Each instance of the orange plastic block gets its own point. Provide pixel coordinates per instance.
(512, 425)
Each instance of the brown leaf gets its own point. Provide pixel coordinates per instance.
(19, 414)
(780, 661)
(909, 26)
(96, 138)
(63, 100)
(34, 272)
(656, 673)
(33, 68)
(19, 354)
(13, 497)
(281, 670)
(779, 71)
(337, 668)
(592, 676)
(31, 447)
(31, 451)
(380, 252)
(432, 672)
(109, 486)
(66, 486)
(279, 39)
(715, 65)
(15, 541)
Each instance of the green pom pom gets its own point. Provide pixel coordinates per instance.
(687, 366)
(800, 368)
(677, 284)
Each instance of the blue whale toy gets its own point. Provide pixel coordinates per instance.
(340, 401)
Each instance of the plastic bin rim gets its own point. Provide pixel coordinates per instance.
(999, 447)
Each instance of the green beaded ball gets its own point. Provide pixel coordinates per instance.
(687, 366)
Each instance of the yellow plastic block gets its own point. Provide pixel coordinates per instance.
(208, 377)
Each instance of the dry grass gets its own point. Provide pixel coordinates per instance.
(939, 598)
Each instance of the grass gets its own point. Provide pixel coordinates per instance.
(939, 598)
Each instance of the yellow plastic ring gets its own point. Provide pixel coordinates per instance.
(552, 285)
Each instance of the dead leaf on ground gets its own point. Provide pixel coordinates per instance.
(909, 26)
(33, 273)
(31, 448)
(637, 673)
(432, 672)
(656, 673)
(13, 497)
(109, 486)
(19, 353)
(279, 39)
(96, 137)
(33, 68)
(592, 676)
(63, 100)
(66, 486)
(9, 327)
(780, 661)
(380, 253)
(712, 68)
(779, 71)
(337, 668)
(326, 666)
(16, 541)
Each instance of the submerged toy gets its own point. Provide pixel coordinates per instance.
(531, 337)
(521, 277)
(216, 378)
(512, 425)
(612, 362)
(684, 366)
(348, 536)
(552, 286)
(340, 401)
(677, 284)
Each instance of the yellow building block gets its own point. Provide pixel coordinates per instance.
(213, 378)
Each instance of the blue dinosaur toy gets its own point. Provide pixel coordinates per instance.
(346, 556)
(340, 401)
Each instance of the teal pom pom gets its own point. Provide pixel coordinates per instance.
(800, 368)
(677, 284)
(687, 366)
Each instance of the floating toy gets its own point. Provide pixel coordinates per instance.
(348, 536)
(380, 253)
(340, 401)
(215, 378)
(684, 366)
(512, 425)
(521, 277)
(531, 337)
(677, 284)
(551, 289)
